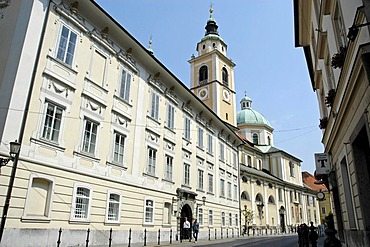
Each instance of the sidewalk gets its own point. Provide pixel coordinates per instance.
(202, 242)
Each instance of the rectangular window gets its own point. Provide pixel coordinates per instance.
(149, 211)
(235, 162)
(81, 203)
(236, 192)
(186, 174)
(119, 147)
(222, 188)
(125, 85)
(223, 220)
(230, 219)
(200, 179)
(200, 138)
(237, 220)
(169, 161)
(291, 166)
(170, 117)
(152, 158)
(200, 216)
(249, 161)
(67, 45)
(229, 193)
(154, 107)
(53, 119)
(210, 217)
(323, 210)
(210, 143)
(90, 134)
(222, 152)
(187, 128)
(210, 183)
(114, 207)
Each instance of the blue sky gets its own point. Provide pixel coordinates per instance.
(260, 39)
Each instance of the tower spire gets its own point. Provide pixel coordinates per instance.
(211, 27)
(150, 45)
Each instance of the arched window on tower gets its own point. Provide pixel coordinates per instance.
(269, 141)
(203, 75)
(255, 138)
(225, 77)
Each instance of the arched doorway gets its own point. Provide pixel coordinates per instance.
(282, 218)
(185, 212)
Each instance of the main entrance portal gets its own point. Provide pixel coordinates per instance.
(185, 212)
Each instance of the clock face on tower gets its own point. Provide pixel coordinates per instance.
(226, 95)
(203, 93)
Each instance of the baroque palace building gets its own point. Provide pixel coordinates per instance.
(334, 35)
(115, 146)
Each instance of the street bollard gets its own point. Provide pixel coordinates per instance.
(59, 236)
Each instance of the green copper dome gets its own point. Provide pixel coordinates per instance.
(249, 116)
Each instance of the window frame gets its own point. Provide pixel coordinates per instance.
(186, 174)
(200, 138)
(222, 152)
(200, 216)
(87, 149)
(168, 167)
(222, 187)
(154, 105)
(63, 58)
(114, 161)
(125, 84)
(109, 193)
(200, 179)
(187, 124)
(170, 117)
(223, 219)
(210, 217)
(210, 183)
(151, 161)
(51, 129)
(210, 143)
(152, 207)
(74, 203)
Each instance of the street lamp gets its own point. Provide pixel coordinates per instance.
(14, 150)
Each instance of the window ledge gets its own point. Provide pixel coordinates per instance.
(168, 180)
(35, 219)
(169, 129)
(157, 121)
(186, 186)
(200, 190)
(86, 155)
(117, 165)
(210, 193)
(108, 223)
(150, 175)
(44, 142)
(81, 222)
(125, 102)
(66, 66)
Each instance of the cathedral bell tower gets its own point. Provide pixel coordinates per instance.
(212, 74)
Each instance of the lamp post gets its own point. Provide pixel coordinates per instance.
(14, 154)
(14, 150)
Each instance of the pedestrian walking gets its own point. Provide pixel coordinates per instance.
(195, 230)
(186, 228)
